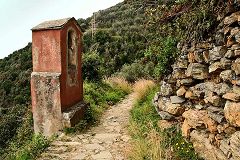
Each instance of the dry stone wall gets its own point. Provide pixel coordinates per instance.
(203, 93)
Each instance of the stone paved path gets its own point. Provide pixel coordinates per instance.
(107, 141)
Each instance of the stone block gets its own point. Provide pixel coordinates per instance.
(166, 89)
(203, 146)
(197, 71)
(217, 53)
(199, 119)
(174, 109)
(236, 66)
(46, 102)
(229, 54)
(232, 96)
(232, 113)
(72, 115)
(215, 67)
(235, 145)
(181, 91)
(231, 19)
(227, 75)
(177, 100)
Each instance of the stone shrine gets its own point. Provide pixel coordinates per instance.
(56, 80)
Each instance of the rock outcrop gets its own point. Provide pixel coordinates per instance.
(203, 93)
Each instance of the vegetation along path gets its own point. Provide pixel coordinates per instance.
(108, 140)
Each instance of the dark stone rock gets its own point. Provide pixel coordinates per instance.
(234, 31)
(198, 55)
(225, 63)
(221, 88)
(217, 110)
(227, 30)
(219, 38)
(216, 117)
(225, 148)
(197, 71)
(217, 53)
(237, 52)
(165, 115)
(215, 67)
(236, 66)
(237, 37)
(202, 89)
(166, 89)
(206, 56)
(230, 54)
(213, 99)
(170, 79)
(230, 41)
(179, 74)
(181, 64)
(166, 105)
(227, 75)
(186, 81)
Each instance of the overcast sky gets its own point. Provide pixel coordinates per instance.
(19, 16)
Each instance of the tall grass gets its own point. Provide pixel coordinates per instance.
(141, 88)
(149, 142)
(146, 145)
(119, 82)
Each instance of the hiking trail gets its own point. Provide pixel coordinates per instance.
(109, 140)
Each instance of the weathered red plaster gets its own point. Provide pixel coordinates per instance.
(71, 95)
(50, 55)
(46, 51)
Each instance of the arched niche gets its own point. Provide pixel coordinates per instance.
(72, 57)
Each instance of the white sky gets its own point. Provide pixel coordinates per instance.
(17, 17)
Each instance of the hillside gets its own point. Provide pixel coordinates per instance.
(15, 73)
(133, 39)
(119, 38)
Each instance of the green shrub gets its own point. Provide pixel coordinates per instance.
(24, 145)
(9, 124)
(19, 99)
(92, 66)
(114, 96)
(102, 36)
(132, 72)
(162, 56)
(156, 62)
(33, 147)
